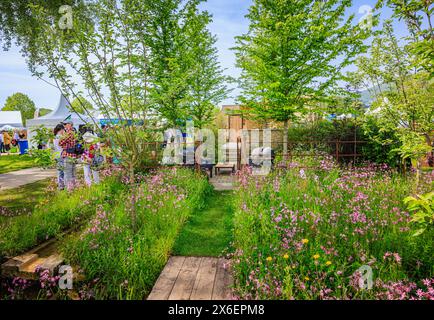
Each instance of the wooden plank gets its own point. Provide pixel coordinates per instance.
(187, 276)
(223, 282)
(166, 280)
(204, 284)
(31, 267)
(52, 262)
(13, 265)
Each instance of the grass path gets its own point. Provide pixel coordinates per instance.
(209, 231)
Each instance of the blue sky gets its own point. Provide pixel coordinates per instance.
(229, 21)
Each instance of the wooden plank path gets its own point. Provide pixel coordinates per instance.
(24, 266)
(194, 278)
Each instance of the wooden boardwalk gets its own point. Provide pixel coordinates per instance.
(193, 278)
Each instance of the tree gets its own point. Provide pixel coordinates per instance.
(80, 105)
(187, 79)
(17, 22)
(44, 111)
(128, 58)
(293, 54)
(207, 87)
(20, 102)
(417, 14)
(403, 96)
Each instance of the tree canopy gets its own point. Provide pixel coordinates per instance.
(294, 54)
(20, 102)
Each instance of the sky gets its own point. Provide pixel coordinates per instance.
(228, 21)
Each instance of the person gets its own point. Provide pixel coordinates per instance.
(7, 141)
(92, 159)
(58, 131)
(68, 143)
(2, 149)
(16, 139)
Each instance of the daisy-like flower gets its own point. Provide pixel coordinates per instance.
(305, 241)
(316, 256)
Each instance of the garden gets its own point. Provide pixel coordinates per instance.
(317, 185)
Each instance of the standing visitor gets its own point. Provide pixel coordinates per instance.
(7, 141)
(2, 149)
(59, 130)
(68, 143)
(92, 158)
(16, 139)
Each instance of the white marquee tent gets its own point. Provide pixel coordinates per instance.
(10, 119)
(55, 117)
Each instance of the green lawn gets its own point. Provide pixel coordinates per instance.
(209, 231)
(15, 162)
(23, 199)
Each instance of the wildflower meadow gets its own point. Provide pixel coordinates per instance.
(305, 234)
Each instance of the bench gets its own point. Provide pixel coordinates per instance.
(220, 166)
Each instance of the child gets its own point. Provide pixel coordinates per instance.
(91, 158)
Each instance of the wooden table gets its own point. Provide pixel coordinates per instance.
(224, 166)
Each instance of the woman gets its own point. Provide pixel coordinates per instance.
(7, 141)
(68, 142)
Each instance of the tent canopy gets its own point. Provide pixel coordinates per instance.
(11, 118)
(55, 117)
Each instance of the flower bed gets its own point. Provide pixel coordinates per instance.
(304, 234)
(125, 247)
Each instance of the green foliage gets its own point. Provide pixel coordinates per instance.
(43, 135)
(422, 207)
(44, 111)
(81, 105)
(413, 147)
(43, 158)
(136, 60)
(402, 111)
(188, 81)
(20, 102)
(293, 54)
(417, 14)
